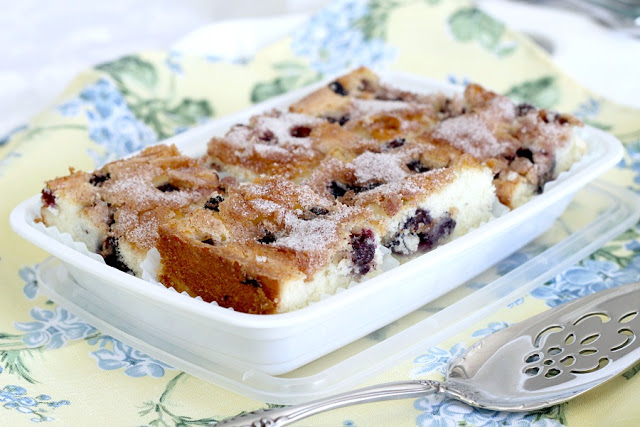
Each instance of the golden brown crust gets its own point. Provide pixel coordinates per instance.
(216, 274)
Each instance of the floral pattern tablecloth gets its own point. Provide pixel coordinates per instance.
(56, 368)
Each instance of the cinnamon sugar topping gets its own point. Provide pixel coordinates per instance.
(381, 167)
(470, 134)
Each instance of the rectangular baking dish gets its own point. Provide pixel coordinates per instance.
(276, 344)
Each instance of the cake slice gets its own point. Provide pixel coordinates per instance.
(116, 209)
(524, 146)
(360, 103)
(414, 208)
(268, 247)
(277, 143)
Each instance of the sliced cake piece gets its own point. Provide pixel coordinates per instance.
(276, 143)
(359, 102)
(525, 146)
(116, 209)
(73, 204)
(413, 207)
(268, 247)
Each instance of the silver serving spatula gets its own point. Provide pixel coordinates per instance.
(545, 360)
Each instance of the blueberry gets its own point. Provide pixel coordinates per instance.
(418, 221)
(363, 251)
(213, 203)
(524, 109)
(97, 179)
(444, 108)
(369, 186)
(111, 253)
(168, 188)
(338, 189)
(317, 210)
(268, 238)
(344, 119)
(300, 131)
(526, 153)
(252, 282)
(48, 198)
(111, 219)
(268, 136)
(340, 120)
(441, 229)
(417, 166)
(395, 143)
(418, 224)
(337, 87)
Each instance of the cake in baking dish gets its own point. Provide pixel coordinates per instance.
(269, 246)
(523, 145)
(317, 194)
(116, 209)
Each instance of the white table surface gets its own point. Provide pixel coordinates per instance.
(43, 45)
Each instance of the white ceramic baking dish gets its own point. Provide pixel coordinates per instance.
(276, 344)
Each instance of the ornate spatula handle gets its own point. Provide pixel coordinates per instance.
(284, 416)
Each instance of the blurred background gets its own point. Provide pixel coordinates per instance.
(43, 45)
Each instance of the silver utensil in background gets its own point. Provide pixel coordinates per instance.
(620, 15)
(545, 360)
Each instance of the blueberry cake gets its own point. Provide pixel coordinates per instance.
(413, 206)
(116, 209)
(314, 196)
(268, 246)
(524, 146)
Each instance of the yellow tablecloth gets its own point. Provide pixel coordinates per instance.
(56, 368)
